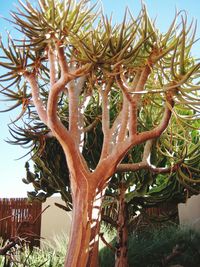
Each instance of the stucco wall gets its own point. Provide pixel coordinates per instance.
(189, 213)
(55, 221)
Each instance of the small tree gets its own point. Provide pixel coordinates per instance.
(75, 58)
(160, 178)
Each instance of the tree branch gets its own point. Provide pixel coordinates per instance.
(122, 148)
(146, 163)
(120, 125)
(145, 166)
(140, 165)
(105, 108)
(52, 68)
(124, 120)
(73, 111)
(157, 131)
(40, 108)
(125, 167)
(81, 71)
(62, 58)
(140, 81)
(137, 85)
(106, 243)
(66, 140)
(147, 151)
(105, 119)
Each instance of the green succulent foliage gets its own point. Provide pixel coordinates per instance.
(50, 174)
(92, 38)
(151, 247)
(148, 189)
(185, 147)
(52, 19)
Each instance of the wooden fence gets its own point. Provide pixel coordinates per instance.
(20, 218)
(167, 208)
(154, 217)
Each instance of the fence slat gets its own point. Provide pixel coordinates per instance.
(16, 218)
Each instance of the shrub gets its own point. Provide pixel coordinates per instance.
(49, 256)
(151, 248)
(146, 249)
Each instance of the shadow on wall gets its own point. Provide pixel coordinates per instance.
(55, 221)
(189, 213)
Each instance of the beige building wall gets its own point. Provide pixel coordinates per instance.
(55, 221)
(189, 213)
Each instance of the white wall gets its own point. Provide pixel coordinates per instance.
(189, 213)
(55, 221)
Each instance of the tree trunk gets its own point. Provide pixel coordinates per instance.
(121, 256)
(93, 259)
(84, 238)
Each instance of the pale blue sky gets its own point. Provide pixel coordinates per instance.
(12, 171)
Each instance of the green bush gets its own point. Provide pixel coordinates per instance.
(146, 249)
(150, 248)
(49, 256)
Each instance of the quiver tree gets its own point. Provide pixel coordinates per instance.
(164, 178)
(73, 57)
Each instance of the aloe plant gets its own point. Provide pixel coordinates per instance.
(65, 73)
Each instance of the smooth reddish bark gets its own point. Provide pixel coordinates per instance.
(121, 256)
(84, 238)
(119, 137)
